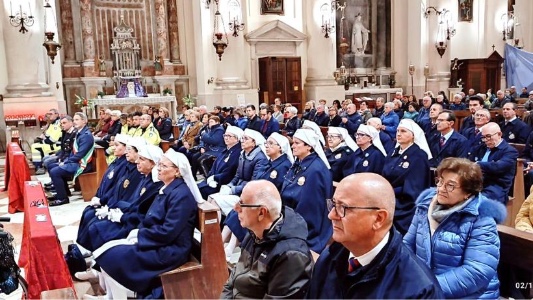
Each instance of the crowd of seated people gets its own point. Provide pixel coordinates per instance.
(275, 191)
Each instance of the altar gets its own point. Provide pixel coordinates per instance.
(131, 104)
(372, 92)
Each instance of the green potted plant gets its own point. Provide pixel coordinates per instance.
(167, 92)
(100, 94)
(189, 100)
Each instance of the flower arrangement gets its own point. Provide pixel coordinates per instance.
(167, 91)
(84, 102)
(189, 100)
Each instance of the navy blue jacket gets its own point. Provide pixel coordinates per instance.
(353, 123)
(498, 171)
(271, 127)
(213, 140)
(125, 187)
(474, 140)
(113, 130)
(335, 122)
(368, 160)
(306, 187)
(255, 123)
(337, 161)
(275, 171)
(430, 131)
(67, 141)
(114, 171)
(515, 131)
(164, 127)
(468, 122)
(455, 146)
(249, 167)
(223, 170)
(164, 241)
(387, 141)
(409, 175)
(527, 154)
(395, 273)
(292, 125)
(85, 141)
(322, 119)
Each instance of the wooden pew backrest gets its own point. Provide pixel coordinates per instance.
(204, 276)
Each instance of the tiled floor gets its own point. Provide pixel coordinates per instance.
(65, 218)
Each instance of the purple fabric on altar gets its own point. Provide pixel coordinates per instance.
(123, 91)
(139, 90)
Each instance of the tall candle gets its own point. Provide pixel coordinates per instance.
(29, 7)
(11, 6)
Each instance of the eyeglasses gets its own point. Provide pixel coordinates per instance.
(334, 136)
(245, 138)
(488, 137)
(229, 136)
(359, 134)
(448, 186)
(270, 143)
(340, 209)
(480, 116)
(162, 166)
(242, 205)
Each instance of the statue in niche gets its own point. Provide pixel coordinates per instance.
(101, 66)
(454, 72)
(158, 66)
(359, 36)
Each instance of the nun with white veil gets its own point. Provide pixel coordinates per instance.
(407, 170)
(340, 149)
(162, 242)
(370, 154)
(307, 185)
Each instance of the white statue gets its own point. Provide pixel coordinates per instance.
(359, 36)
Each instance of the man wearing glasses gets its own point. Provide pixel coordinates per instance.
(449, 143)
(497, 160)
(368, 258)
(275, 261)
(473, 134)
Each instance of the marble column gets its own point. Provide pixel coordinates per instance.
(161, 34)
(26, 65)
(173, 31)
(87, 38)
(67, 43)
(321, 55)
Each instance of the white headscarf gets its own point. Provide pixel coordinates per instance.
(122, 138)
(137, 142)
(309, 137)
(154, 154)
(284, 144)
(312, 125)
(345, 136)
(374, 134)
(235, 130)
(420, 138)
(257, 137)
(181, 161)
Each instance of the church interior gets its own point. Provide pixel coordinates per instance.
(82, 55)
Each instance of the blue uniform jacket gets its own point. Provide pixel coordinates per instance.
(353, 123)
(337, 161)
(387, 141)
(368, 160)
(114, 171)
(474, 140)
(515, 131)
(306, 187)
(275, 171)
(395, 273)
(498, 171)
(455, 146)
(464, 250)
(102, 231)
(292, 125)
(224, 169)
(390, 121)
(85, 141)
(213, 140)
(242, 122)
(409, 175)
(468, 122)
(423, 114)
(271, 126)
(164, 241)
(249, 166)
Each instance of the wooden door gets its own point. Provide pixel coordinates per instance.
(280, 77)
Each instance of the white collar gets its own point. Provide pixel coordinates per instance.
(367, 258)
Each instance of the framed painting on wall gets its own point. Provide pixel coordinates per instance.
(272, 7)
(465, 10)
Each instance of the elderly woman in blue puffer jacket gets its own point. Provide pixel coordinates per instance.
(454, 232)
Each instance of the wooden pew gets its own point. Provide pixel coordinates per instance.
(206, 272)
(516, 257)
(175, 131)
(89, 182)
(515, 202)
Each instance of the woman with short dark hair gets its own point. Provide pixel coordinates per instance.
(454, 232)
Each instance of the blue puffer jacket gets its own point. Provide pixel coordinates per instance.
(465, 248)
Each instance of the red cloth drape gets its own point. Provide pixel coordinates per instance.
(41, 255)
(16, 172)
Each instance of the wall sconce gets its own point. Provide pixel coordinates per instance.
(49, 44)
(508, 21)
(210, 80)
(21, 19)
(328, 25)
(445, 28)
(234, 14)
(207, 3)
(219, 44)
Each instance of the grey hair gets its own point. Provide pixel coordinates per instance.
(69, 118)
(389, 104)
(292, 110)
(81, 115)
